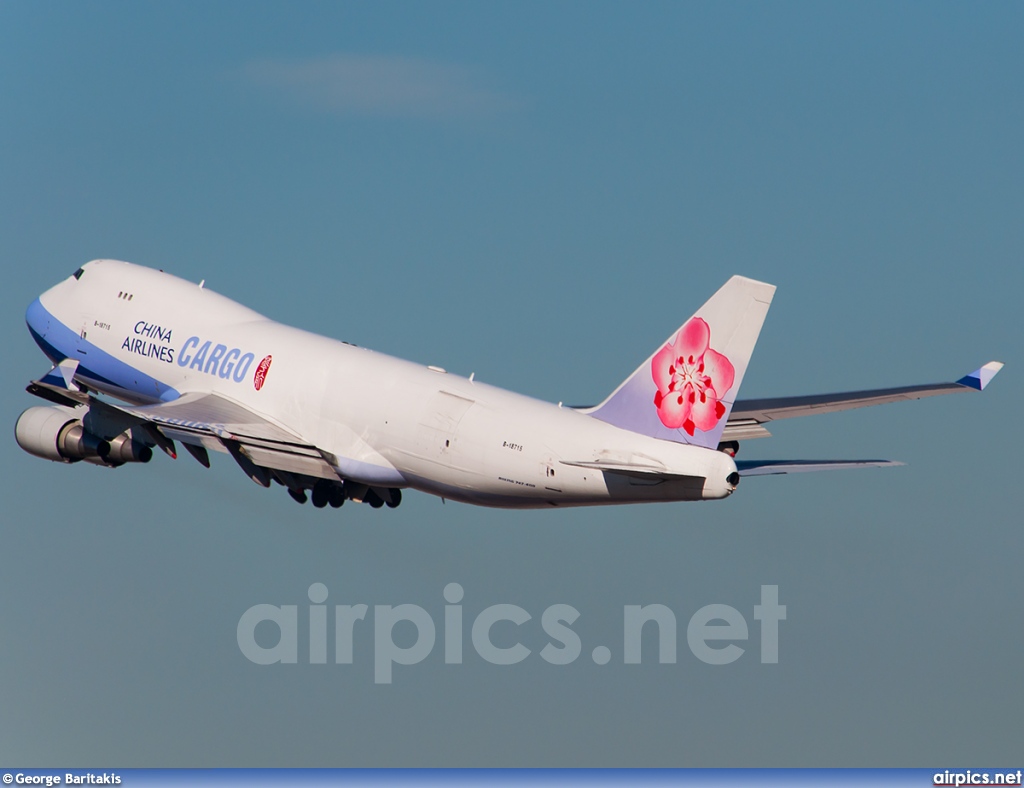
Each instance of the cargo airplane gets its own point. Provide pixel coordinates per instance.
(146, 360)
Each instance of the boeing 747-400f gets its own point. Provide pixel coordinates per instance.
(144, 360)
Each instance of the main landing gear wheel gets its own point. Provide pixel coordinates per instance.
(336, 497)
(396, 498)
(321, 493)
(299, 496)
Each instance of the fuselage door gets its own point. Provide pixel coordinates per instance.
(437, 431)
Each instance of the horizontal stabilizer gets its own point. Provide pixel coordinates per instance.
(778, 467)
(630, 469)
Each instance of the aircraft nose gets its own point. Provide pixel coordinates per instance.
(37, 319)
(46, 330)
(40, 320)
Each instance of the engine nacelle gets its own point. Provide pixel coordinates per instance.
(57, 433)
(123, 449)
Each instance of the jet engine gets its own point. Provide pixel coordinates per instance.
(57, 433)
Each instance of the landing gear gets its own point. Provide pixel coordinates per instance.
(326, 492)
(321, 493)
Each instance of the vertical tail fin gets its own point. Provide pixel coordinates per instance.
(686, 389)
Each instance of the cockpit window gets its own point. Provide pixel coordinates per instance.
(78, 274)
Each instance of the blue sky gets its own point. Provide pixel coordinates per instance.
(538, 194)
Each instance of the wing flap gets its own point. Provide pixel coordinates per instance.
(744, 429)
(217, 415)
(297, 462)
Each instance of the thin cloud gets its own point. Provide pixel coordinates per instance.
(380, 86)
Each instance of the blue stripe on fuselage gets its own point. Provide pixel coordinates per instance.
(59, 342)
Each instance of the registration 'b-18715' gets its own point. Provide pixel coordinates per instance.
(145, 360)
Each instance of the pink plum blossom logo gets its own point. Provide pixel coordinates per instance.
(692, 379)
(261, 373)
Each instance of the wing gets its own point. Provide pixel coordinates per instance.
(210, 421)
(748, 416)
(261, 447)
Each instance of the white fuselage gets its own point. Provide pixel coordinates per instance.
(146, 336)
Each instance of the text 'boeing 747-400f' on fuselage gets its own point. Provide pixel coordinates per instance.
(144, 360)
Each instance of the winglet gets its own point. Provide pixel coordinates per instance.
(68, 367)
(981, 377)
(62, 376)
